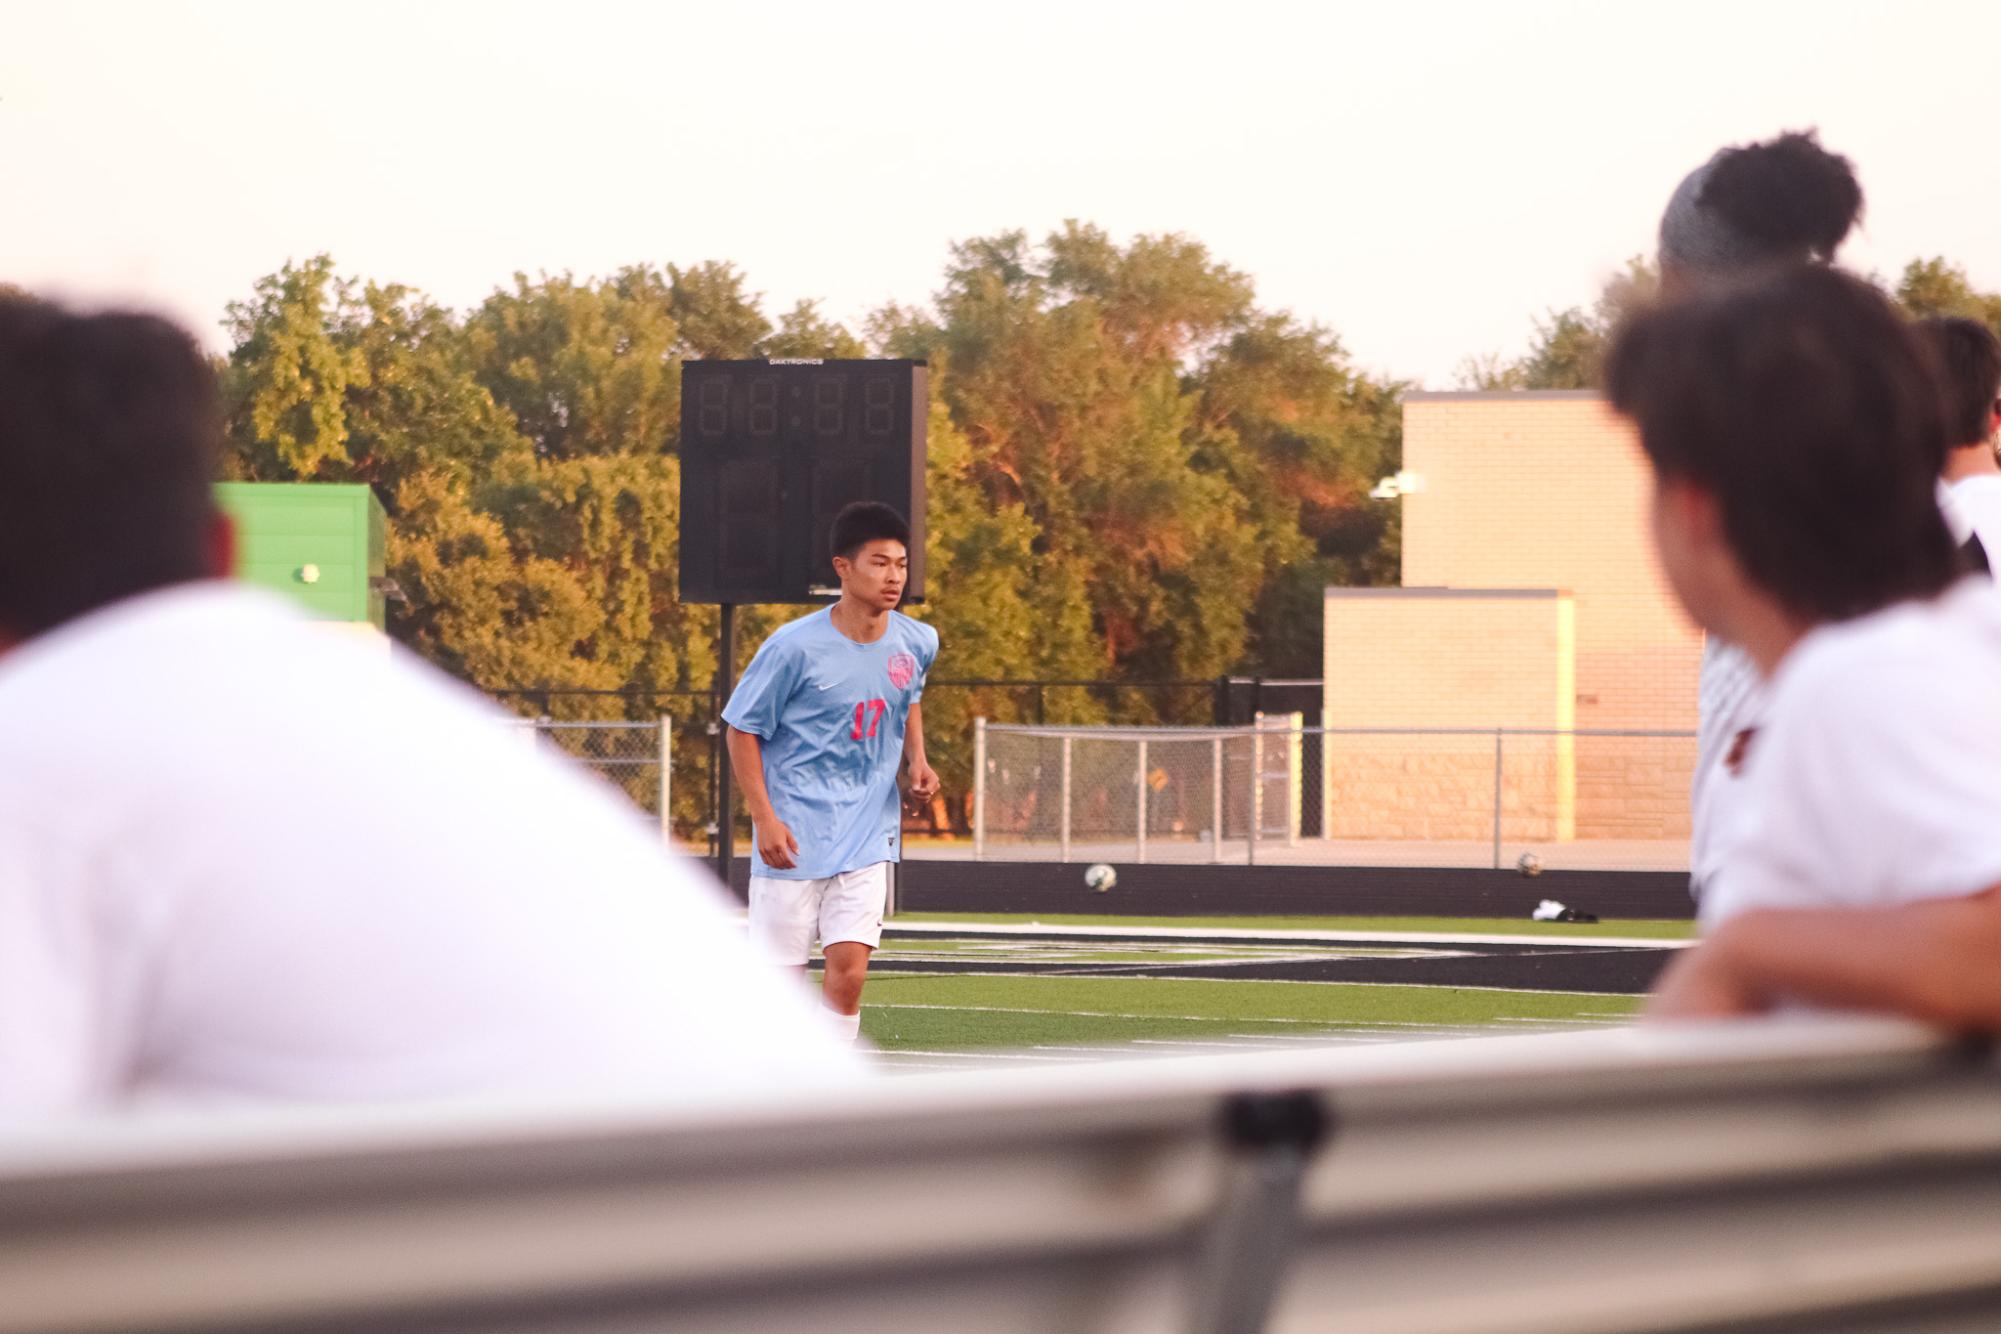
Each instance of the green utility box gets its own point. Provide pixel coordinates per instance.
(319, 544)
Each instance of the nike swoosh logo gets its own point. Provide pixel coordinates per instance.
(829, 686)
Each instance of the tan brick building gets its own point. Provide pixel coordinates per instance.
(1530, 600)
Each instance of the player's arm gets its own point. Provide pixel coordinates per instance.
(774, 840)
(755, 712)
(1934, 961)
(923, 778)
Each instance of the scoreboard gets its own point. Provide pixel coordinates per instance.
(770, 453)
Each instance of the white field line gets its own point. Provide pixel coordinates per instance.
(1076, 968)
(1081, 954)
(1276, 936)
(1258, 981)
(1186, 1042)
(1575, 1022)
(1114, 1014)
(1343, 1035)
(1063, 1046)
(1397, 1029)
(971, 1055)
(1234, 949)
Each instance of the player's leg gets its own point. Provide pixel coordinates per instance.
(850, 930)
(783, 914)
(847, 970)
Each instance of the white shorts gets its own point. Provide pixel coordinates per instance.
(786, 915)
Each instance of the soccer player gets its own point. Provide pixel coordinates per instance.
(243, 858)
(823, 718)
(1969, 360)
(1747, 210)
(1795, 432)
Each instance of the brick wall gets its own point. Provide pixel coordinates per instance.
(1532, 491)
(1452, 659)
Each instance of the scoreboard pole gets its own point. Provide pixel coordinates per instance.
(726, 789)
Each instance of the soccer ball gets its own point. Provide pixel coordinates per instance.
(1100, 877)
(1529, 864)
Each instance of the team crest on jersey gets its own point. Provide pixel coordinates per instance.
(902, 669)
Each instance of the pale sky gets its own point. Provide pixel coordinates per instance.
(1421, 177)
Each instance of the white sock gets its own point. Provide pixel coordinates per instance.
(847, 1027)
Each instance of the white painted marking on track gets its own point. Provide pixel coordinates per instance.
(1274, 936)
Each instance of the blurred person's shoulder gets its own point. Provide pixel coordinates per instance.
(191, 644)
(1884, 655)
(1978, 500)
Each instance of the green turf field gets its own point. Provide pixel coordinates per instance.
(935, 1021)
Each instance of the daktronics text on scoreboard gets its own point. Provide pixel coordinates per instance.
(770, 453)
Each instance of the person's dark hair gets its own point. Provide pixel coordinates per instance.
(1969, 363)
(1806, 405)
(867, 521)
(1783, 201)
(109, 431)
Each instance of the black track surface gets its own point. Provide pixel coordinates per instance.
(924, 885)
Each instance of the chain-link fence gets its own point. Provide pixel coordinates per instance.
(637, 758)
(1086, 788)
(588, 719)
(1280, 792)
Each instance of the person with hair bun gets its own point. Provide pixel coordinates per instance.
(1787, 201)
(1749, 210)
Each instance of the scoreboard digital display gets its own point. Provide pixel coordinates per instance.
(772, 450)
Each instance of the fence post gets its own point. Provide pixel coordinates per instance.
(979, 789)
(1295, 777)
(1216, 798)
(1141, 826)
(1063, 817)
(667, 781)
(1257, 802)
(1497, 798)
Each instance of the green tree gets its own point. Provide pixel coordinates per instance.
(289, 373)
(1134, 472)
(804, 332)
(1936, 287)
(1568, 350)
(718, 319)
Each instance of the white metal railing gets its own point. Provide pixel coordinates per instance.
(1694, 1178)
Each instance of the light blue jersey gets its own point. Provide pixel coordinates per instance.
(831, 714)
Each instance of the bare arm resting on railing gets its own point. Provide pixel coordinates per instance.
(1938, 961)
(774, 841)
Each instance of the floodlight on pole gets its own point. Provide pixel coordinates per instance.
(1395, 487)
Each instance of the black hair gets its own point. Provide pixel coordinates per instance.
(1968, 357)
(1789, 196)
(867, 521)
(109, 438)
(1807, 406)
